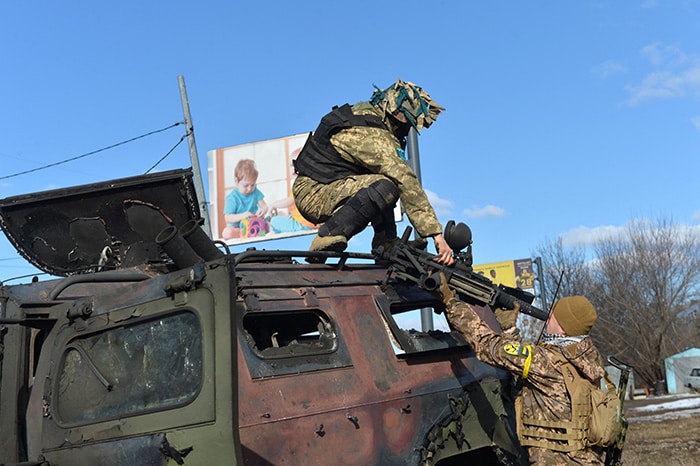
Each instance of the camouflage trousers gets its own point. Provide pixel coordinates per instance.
(317, 201)
(544, 457)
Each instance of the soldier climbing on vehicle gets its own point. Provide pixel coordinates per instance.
(352, 171)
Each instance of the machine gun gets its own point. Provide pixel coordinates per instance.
(613, 454)
(411, 263)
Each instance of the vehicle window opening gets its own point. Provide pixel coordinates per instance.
(410, 321)
(287, 334)
(403, 324)
(127, 370)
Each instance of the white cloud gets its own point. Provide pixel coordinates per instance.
(586, 236)
(659, 54)
(441, 206)
(675, 74)
(696, 122)
(486, 211)
(608, 68)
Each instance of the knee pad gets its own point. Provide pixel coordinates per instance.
(366, 205)
(375, 200)
(383, 194)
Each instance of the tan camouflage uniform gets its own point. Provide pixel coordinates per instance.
(544, 394)
(375, 149)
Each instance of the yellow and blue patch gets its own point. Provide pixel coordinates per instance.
(521, 351)
(516, 349)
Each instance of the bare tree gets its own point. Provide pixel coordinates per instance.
(565, 273)
(643, 282)
(645, 279)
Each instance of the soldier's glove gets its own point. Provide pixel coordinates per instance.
(507, 317)
(444, 293)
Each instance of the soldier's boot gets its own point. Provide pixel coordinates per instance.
(384, 234)
(336, 243)
(385, 237)
(353, 216)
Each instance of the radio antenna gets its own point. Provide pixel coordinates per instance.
(551, 306)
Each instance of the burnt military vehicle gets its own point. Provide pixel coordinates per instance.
(159, 346)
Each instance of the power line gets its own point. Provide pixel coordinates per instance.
(166, 155)
(98, 150)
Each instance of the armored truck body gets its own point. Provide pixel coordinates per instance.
(155, 345)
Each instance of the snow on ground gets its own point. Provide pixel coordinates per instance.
(665, 407)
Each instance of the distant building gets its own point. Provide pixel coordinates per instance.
(678, 369)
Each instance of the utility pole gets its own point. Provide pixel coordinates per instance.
(426, 314)
(414, 153)
(194, 159)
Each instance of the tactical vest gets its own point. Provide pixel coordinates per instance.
(563, 435)
(586, 427)
(319, 160)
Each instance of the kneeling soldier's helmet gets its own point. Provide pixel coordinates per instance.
(409, 100)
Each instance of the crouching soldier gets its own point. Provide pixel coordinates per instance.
(352, 171)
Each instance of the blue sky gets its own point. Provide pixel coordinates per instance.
(563, 118)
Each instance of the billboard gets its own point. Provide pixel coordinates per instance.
(255, 208)
(516, 273)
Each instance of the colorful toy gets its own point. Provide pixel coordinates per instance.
(254, 227)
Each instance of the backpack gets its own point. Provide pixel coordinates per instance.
(596, 416)
(603, 407)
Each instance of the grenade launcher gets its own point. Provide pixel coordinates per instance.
(409, 262)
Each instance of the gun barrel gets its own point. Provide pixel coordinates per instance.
(536, 312)
(431, 283)
(418, 266)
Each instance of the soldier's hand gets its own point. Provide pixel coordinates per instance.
(444, 251)
(444, 292)
(507, 317)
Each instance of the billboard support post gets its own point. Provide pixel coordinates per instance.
(194, 158)
(426, 314)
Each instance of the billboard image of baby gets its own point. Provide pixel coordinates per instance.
(250, 189)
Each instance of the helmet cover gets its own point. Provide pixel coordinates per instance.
(410, 100)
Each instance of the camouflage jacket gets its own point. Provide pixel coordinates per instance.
(378, 151)
(544, 394)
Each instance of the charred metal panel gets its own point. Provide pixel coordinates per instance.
(66, 231)
(286, 278)
(132, 372)
(289, 363)
(14, 389)
(381, 409)
(150, 450)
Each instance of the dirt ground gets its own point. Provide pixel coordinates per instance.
(666, 435)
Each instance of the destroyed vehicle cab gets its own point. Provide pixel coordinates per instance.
(158, 346)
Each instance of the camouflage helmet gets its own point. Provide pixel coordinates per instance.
(411, 100)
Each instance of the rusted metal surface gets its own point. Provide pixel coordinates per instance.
(286, 363)
(378, 410)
